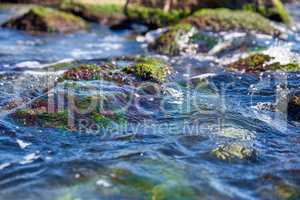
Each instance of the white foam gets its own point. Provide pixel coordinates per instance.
(29, 64)
(4, 165)
(23, 144)
(282, 54)
(103, 183)
(30, 158)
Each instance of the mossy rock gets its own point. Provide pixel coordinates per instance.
(104, 13)
(234, 151)
(46, 20)
(154, 17)
(181, 36)
(229, 20)
(286, 191)
(45, 114)
(140, 69)
(259, 62)
(272, 9)
(170, 184)
(149, 69)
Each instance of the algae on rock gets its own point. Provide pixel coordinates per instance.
(46, 20)
(104, 13)
(260, 62)
(183, 37)
(227, 20)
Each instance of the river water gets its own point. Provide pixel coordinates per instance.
(171, 152)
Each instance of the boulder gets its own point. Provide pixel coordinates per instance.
(68, 114)
(260, 62)
(272, 9)
(228, 20)
(46, 20)
(140, 69)
(105, 13)
(234, 151)
(183, 38)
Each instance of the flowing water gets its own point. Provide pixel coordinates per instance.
(170, 152)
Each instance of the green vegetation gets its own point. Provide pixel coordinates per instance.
(168, 42)
(226, 20)
(155, 17)
(149, 69)
(42, 118)
(277, 11)
(234, 151)
(44, 19)
(260, 63)
(105, 13)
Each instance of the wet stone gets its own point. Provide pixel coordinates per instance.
(234, 151)
(258, 62)
(46, 20)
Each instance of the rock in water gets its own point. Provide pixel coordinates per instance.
(183, 38)
(228, 20)
(46, 20)
(234, 151)
(272, 9)
(260, 62)
(103, 12)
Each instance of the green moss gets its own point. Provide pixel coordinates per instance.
(43, 19)
(49, 13)
(174, 192)
(287, 192)
(155, 17)
(209, 41)
(276, 12)
(100, 119)
(167, 43)
(234, 151)
(149, 69)
(32, 117)
(142, 184)
(226, 20)
(103, 12)
(260, 63)
(282, 11)
(93, 9)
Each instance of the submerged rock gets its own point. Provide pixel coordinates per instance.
(286, 191)
(259, 62)
(46, 20)
(68, 114)
(228, 20)
(234, 151)
(102, 12)
(183, 38)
